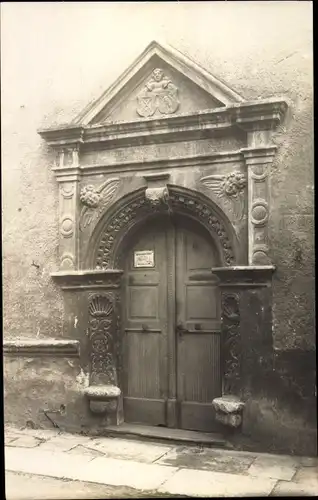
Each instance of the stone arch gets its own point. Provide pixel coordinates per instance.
(134, 209)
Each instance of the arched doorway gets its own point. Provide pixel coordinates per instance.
(171, 325)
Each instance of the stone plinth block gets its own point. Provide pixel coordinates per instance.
(230, 419)
(228, 410)
(103, 398)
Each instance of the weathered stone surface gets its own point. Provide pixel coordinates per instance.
(46, 463)
(274, 468)
(206, 459)
(215, 484)
(83, 450)
(308, 475)
(65, 442)
(25, 486)
(129, 449)
(228, 404)
(291, 489)
(230, 419)
(25, 442)
(47, 398)
(102, 392)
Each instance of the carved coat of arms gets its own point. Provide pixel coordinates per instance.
(159, 94)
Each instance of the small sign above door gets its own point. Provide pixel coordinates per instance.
(144, 258)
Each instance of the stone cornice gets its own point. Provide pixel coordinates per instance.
(88, 279)
(256, 115)
(41, 347)
(237, 275)
(243, 275)
(261, 115)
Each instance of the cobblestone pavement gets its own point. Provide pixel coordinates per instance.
(63, 465)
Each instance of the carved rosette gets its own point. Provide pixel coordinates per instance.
(258, 161)
(231, 342)
(127, 216)
(101, 331)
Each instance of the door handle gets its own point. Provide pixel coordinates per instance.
(180, 329)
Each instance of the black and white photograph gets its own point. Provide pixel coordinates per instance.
(158, 251)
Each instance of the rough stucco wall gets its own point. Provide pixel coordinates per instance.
(57, 57)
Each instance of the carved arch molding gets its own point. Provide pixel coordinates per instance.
(135, 208)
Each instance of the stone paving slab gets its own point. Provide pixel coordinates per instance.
(274, 467)
(65, 442)
(82, 450)
(20, 486)
(290, 488)
(78, 467)
(25, 441)
(129, 449)
(39, 433)
(127, 473)
(308, 461)
(308, 475)
(216, 484)
(177, 470)
(207, 459)
(45, 463)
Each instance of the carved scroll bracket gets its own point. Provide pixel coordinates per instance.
(258, 161)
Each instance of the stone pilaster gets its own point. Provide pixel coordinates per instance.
(246, 326)
(92, 303)
(68, 175)
(258, 161)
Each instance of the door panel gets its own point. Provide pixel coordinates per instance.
(172, 330)
(198, 333)
(145, 370)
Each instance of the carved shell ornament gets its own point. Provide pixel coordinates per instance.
(231, 188)
(95, 200)
(100, 306)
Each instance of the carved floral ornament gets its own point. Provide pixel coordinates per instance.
(100, 331)
(231, 341)
(138, 208)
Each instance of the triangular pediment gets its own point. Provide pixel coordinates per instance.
(160, 83)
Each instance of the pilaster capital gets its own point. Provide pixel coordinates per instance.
(67, 174)
(257, 155)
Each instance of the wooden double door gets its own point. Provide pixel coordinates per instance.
(171, 345)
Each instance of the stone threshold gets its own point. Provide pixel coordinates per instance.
(164, 434)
